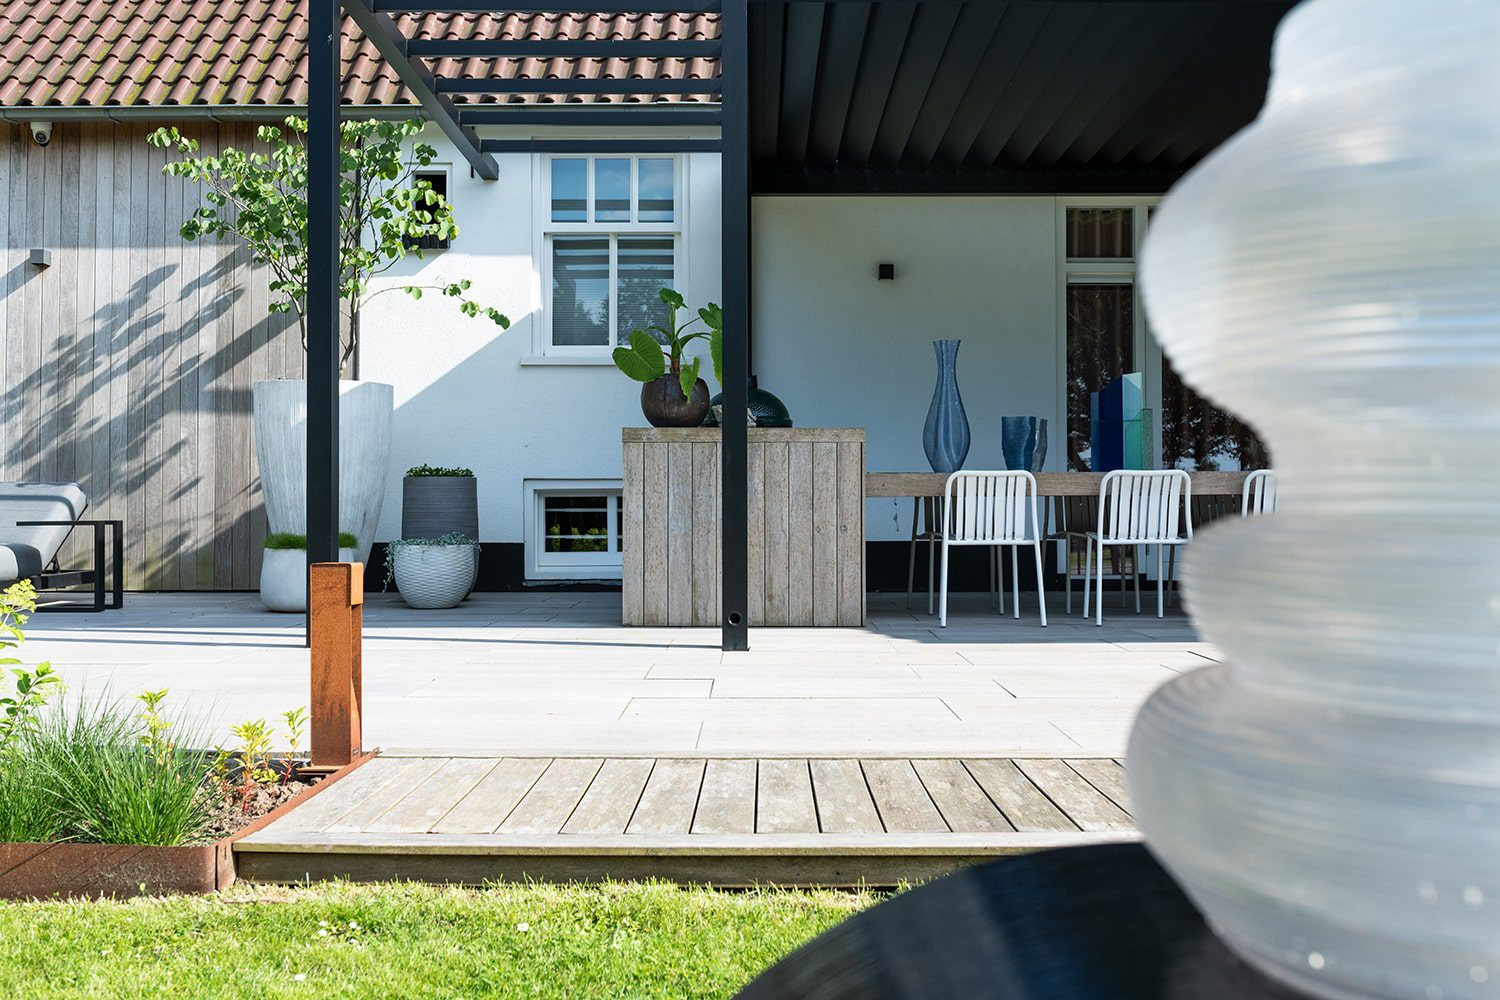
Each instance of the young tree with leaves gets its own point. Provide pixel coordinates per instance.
(259, 197)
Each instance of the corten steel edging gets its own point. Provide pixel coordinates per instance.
(68, 870)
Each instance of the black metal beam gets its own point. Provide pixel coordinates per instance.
(591, 116)
(734, 589)
(324, 83)
(771, 180)
(562, 48)
(574, 85)
(392, 45)
(600, 145)
(594, 7)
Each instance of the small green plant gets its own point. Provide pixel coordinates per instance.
(451, 538)
(21, 709)
(438, 470)
(287, 540)
(254, 757)
(296, 729)
(655, 351)
(155, 737)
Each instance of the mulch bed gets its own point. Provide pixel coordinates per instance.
(233, 814)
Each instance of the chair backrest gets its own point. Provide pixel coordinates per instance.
(25, 552)
(1145, 506)
(991, 507)
(1260, 493)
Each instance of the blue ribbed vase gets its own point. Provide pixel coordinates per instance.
(946, 435)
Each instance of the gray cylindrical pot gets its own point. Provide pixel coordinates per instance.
(434, 506)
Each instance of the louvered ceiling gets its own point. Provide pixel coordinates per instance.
(1032, 95)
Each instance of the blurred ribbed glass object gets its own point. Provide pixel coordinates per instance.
(1330, 797)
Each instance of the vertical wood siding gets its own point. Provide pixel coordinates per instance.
(127, 365)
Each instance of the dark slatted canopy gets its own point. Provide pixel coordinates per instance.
(985, 95)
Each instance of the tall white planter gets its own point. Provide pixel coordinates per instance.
(365, 410)
(1330, 797)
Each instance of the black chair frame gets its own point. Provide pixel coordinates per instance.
(49, 580)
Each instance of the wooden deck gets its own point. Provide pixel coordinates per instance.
(721, 820)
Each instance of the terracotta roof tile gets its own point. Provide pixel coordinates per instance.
(72, 53)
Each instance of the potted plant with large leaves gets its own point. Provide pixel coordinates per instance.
(672, 394)
(259, 198)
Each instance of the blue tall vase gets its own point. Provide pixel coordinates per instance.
(946, 434)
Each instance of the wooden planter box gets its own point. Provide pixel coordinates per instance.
(67, 870)
(806, 517)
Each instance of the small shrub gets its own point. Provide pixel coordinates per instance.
(287, 540)
(21, 709)
(437, 470)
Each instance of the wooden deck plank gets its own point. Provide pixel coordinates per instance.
(843, 798)
(329, 805)
(1023, 804)
(726, 802)
(1108, 777)
(553, 798)
(784, 798)
(1073, 795)
(964, 805)
(491, 801)
(610, 801)
(430, 801)
(670, 798)
(374, 806)
(903, 803)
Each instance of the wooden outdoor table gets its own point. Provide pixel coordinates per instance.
(1048, 484)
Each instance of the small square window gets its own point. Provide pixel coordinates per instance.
(438, 181)
(574, 530)
(1101, 233)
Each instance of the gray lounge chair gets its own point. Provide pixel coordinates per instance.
(35, 520)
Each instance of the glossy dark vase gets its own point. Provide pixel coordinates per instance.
(945, 437)
(663, 405)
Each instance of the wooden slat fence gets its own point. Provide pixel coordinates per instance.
(127, 364)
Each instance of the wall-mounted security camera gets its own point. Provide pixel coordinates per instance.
(41, 132)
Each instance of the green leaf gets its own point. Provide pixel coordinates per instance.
(643, 359)
(671, 297)
(716, 349)
(688, 377)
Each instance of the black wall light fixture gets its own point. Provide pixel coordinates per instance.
(887, 272)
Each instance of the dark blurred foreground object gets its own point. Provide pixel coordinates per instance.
(1084, 923)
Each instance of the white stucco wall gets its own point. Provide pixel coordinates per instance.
(842, 348)
(838, 346)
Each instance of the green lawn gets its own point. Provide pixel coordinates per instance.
(651, 940)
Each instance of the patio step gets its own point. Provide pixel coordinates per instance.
(728, 821)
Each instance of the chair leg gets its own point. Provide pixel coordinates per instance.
(1067, 550)
(1160, 593)
(911, 562)
(943, 590)
(1099, 604)
(1172, 571)
(1015, 578)
(1041, 593)
(1088, 574)
(994, 595)
(1135, 574)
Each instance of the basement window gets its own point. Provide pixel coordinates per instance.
(573, 529)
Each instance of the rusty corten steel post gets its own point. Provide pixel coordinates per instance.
(336, 595)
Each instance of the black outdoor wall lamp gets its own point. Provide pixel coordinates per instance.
(887, 272)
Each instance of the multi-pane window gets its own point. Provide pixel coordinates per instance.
(574, 529)
(612, 232)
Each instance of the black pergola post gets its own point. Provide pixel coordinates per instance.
(734, 32)
(323, 86)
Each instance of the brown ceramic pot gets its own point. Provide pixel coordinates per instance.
(664, 406)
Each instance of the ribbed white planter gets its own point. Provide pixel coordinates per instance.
(1330, 795)
(365, 410)
(434, 576)
(283, 578)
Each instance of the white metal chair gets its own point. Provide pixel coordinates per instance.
(1260, 493)
(1138, 508)
(993, 509)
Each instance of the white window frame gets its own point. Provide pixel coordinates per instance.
(544, 565)
(1107, 271)
(547, 231)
